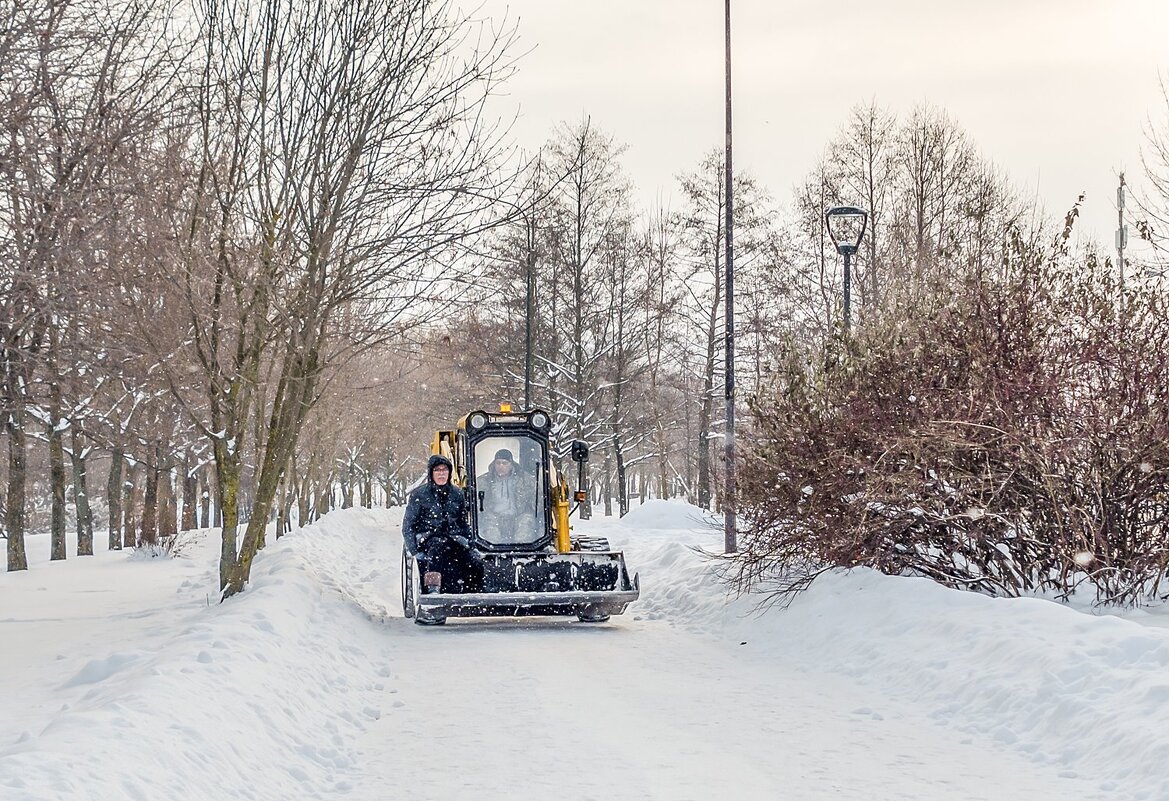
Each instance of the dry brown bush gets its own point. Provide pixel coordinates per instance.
(1010, 438)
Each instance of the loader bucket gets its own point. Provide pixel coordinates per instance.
(590, 585)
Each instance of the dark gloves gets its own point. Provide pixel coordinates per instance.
(472, 554)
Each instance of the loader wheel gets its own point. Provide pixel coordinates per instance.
(425, 618)
(407, 585)
(591, 614)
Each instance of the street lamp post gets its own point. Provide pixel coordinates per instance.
(730, 516)
(846, 226)
(530, 269)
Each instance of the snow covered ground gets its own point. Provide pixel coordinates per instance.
(123, 679)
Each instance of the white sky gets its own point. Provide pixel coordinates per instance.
(1055, 92)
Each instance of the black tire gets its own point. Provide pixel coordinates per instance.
(590, 614)
(590, 544)
(437, 621)
(407, 584)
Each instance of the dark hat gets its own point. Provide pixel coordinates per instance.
(436, 461)
(503, 453)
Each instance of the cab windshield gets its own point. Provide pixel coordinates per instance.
(509, 489)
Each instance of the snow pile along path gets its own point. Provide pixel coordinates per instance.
(261, 697)
(1087, 694)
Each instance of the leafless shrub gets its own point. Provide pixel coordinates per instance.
(1011, 438)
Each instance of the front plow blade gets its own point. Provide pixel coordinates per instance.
(592, 585)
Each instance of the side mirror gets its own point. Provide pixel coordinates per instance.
(580, 451)
(580, 455)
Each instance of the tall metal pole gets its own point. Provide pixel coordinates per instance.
(731, 534)
(528, 311)
(847, 294)
(1121, 233)
(528, 329)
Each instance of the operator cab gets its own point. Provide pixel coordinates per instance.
(509, 494)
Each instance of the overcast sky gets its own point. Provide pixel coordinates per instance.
(1055, 92)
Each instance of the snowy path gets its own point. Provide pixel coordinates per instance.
(646, 712)
(312, 686)
(640, 709)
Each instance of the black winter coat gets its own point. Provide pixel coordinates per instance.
(434, 511)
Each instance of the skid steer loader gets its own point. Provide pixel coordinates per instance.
(532, 564)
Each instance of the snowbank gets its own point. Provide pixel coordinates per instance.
(1085, 692)
(253, 698)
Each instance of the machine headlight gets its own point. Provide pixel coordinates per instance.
(540, 420)
(477, 420)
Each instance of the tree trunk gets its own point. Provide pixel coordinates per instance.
(114, 500)
(168, 508)
(704, 453)
(622, 485)
(288, 410)
(304, 501)
(14, 511)
(150, 503)
(81, 497)
(149, 530)
(282, 507)
(388, 484)
(347, 487)
(57, 476)
(706, 410)
(608, 484)
(190, 494)
(129, 503)
(367, 489)
(228, 484)
(205, 499)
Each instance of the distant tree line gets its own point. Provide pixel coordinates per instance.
(208, 212)
(252, 254)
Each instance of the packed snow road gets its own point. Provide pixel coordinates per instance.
(312, 685)
(641, 709)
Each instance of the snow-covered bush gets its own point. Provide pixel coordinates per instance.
(1011, 437)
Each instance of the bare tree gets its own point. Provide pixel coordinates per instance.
(81, 85)
(592, 206)
(662, 295)
(861, 162)
(1153, 226)
(702, 221)
(343, 155)
(626, 277)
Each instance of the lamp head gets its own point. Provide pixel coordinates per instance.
(846, 226)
